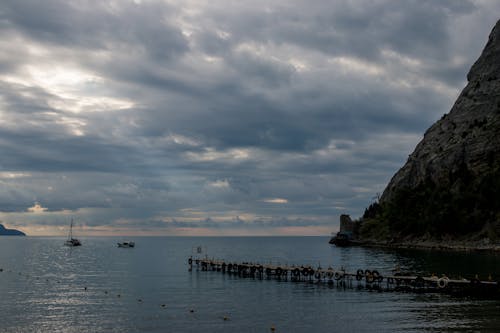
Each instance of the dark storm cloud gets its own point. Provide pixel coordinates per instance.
(139, 113)
(121, 27)
(418, 28)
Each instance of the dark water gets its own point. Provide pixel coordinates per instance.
(42, 288)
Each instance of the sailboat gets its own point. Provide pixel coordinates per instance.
(72, 241)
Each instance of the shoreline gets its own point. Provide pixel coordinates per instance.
(458, 246)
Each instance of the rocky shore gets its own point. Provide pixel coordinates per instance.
(483, 245)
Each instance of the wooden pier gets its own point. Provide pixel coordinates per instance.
(371, 279)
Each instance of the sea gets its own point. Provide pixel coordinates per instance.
(99, 287)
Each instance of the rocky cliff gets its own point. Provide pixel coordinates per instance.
(450, 185)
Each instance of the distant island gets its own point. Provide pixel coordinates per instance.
(10, 232)
(447, 195)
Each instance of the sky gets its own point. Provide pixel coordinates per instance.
(219, 117)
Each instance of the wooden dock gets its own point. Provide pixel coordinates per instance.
(371, 279)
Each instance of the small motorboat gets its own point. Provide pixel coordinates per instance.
(126, 244)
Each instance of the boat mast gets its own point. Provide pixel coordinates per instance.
(71, 230)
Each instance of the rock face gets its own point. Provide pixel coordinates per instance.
(10, 232)
(451, 182)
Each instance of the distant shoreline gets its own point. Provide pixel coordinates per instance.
(10, 232)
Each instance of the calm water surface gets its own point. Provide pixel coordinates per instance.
(47, 287)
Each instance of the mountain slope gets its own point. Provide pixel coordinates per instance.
(450, 185)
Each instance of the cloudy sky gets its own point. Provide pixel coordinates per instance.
(219, 117)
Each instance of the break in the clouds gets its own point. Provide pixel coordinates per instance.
(199, 117)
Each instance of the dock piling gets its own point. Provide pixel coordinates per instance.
(369, 279)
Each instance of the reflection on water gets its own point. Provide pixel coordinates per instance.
(47, 287)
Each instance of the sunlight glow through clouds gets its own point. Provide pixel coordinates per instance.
(298, 64)
(74, 126)
(210, 154)
(221, 184)
(407, 61)
(13, 175)
(276, 201)
(59, 79)
(72, 88)
(37, 208)
(349, 65)
(182, 140)
(78, 104)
